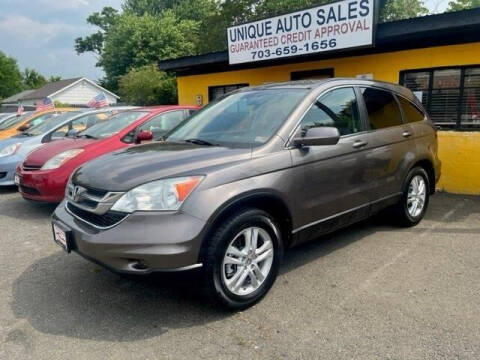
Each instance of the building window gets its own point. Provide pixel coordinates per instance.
(450, 95)
(214, 92)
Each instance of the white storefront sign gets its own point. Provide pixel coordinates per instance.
(338, 25)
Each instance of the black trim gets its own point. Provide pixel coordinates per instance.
(435, 30)
(304, 75)
(211, 89)
(427, 106)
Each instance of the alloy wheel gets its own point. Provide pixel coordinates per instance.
(247, 261)
(417, 194)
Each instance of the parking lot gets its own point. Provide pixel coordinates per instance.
(372, 291)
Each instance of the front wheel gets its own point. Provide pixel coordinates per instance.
(415, 199)
(242, 259)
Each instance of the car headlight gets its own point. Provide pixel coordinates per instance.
(160, 195)
(60, 159)
(9, 150)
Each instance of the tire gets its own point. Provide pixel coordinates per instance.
(404, 211)
(221, 277)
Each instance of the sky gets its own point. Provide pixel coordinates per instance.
(41, 34)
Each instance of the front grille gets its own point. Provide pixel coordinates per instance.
(96, 192)
(28, 190)
(3, 175)
(107, 220)
(31, 167)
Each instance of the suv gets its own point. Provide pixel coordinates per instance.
(257, 171)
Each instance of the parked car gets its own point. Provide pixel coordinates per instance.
(44, 174)
(6, 116)
(15, 149)
(21, 123)
(258, 171)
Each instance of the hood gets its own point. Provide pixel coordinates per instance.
(137, 165)
(12, 140)
(40, 156)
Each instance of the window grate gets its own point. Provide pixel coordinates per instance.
(450, 95)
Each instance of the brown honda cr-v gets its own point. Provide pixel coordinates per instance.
(256, 172)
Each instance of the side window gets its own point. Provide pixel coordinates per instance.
(163, 123)
(338, 108)
(60, 133)
(411, 112)
(88, 121)
(382, 108)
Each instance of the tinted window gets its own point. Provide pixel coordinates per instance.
(163, 123)
(383, 110)
(338, 109)
(411, 112)
(241, 119)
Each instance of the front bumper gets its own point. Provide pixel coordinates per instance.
(45, 186)
(142, 243)
(8, 165)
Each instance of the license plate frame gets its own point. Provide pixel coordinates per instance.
(62, 236)
(17, 179)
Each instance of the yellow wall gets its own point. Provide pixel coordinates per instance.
(460, 156)
(459, 151)
(386, 66)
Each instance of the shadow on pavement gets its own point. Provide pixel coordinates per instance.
(65, 295)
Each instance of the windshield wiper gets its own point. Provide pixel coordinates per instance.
(200, 142)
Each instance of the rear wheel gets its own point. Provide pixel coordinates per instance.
(243, 259)
(415, 199)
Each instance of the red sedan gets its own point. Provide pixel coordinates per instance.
(44, 174)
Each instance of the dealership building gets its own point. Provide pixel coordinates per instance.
(437, 57)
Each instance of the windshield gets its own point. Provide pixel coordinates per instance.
(13, 121)
(242, 119)
(116, 124)
(49, 122)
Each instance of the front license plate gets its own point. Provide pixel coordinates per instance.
(17, 180)
(61, 237)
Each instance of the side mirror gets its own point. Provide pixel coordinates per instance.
(318, 136)
(24, 127)
(143, 135)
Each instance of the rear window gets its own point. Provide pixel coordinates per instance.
(411, 113)
(382, 108)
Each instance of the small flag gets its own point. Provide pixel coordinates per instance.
(45, 104)
(20, 110)
(98, 101)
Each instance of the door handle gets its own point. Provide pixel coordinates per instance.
(407, 134)
(359, 143)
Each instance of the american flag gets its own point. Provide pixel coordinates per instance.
(98, 101)
(20, 110)
(45, 104)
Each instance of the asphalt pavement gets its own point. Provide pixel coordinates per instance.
(371, 291)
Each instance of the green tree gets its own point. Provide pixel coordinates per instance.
(54, 78)
(135, 41)
(94, 43)
(147, 85)
(31, 79)
(402, 9)
(10, 76)
(458, 5)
